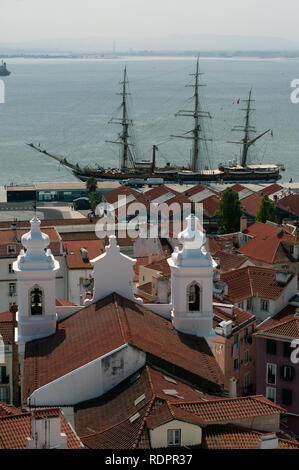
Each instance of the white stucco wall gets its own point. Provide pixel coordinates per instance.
(91, 380)
(190, 434)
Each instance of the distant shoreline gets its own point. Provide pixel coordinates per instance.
(292, 55)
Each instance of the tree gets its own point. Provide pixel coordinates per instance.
(91, 185)
(94, 197)
(229, 213)
(267, 211)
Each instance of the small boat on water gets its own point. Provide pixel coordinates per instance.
(3, 70)
(132, 170)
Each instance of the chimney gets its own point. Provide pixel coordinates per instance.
(243, 223)
(84, 254)
(233, 387)
(268, 441)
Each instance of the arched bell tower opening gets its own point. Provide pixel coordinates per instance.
(192, 282)
(36, 300)
(193, 297)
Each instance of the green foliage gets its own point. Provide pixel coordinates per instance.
(94, 200)
(91, 185)
(267, 211)
(94, 197)
(229, 213)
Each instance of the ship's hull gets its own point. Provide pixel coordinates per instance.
(4, 73)
(178, 177)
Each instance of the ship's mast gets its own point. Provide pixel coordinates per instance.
(196, 113)
(246, 142)
(124, 122)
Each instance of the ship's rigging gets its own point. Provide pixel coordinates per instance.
(196, 114)
(130, 167)
(247, 130)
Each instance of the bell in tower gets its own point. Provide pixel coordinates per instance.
(36, 301)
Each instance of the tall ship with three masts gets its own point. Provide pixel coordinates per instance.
(142, 171)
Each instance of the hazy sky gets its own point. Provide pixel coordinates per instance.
(26, 20)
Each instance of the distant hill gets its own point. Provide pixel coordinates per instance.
(201, 42)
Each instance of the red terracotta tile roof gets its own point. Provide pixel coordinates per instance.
(9, 236)
(63, 303)
(106, 325)
(268, 250)
(271, 189)
(16, 428)
(198, 188)
(215, 245)
(74, 258)
(112, 196)
(8, 410)
(100, 422)
(229, 261)
(5, 317)
(251, 204)
(146, 288)
(76, 236)
(211, 205)
(238, 318)
(237, 187)
(283, 323)
(7, 327)
(290, 204)
(229, 436)
(51, 223)
(269, 230)
(162, 266)
(225, 410)
(252, 281)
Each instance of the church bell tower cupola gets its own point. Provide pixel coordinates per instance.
(192, 282)
(36, 270)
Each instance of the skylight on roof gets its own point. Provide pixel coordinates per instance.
(134, 417)
(134, 377)
(171, 392)
(169, 379)
(139, 399)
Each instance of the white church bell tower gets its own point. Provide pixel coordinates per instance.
(192, 283)
(36, 271)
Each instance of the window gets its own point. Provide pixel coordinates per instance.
(36, 299)
(271, 393)
(11, 249)
(240, 305)
(287, 350)
(292, 249)
(12, 289)
(174, 437)
(193, 297)
(236, 364)
(10, 270)
(271, 374)
(264, 305)
(287, 373)
(249, 304)
(247, 381)
(271, 346)
(3, 376)
(286, 396)
(246, 357)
